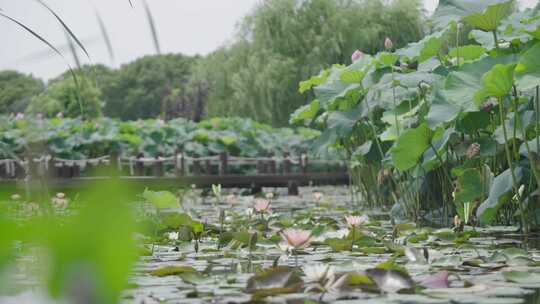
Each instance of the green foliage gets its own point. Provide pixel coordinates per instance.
(161, 199)
(285, 41)
(77, 139)
(151, 86)
(72, 98)
(16, 90)
(443, 104)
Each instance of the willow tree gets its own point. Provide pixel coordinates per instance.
(284, 41)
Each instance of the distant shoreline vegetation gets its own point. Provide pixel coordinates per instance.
(276, 46)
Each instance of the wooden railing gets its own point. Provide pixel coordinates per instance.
(224, 169)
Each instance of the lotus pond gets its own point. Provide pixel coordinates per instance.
(229, 247)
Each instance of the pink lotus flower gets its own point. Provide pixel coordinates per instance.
(355, 221)
(356, 55)
(19, 116)
(318, 195)
(296, 238)
(262, 205)
(388, 44)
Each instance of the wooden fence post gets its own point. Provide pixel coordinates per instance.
(178, 163)
(51, 168)
(208, 167)
(113, 163)
(260, 167)
(223, 163)
(286, 163)
(158, 166)
(139, 165)
(303, 163)
(196, 165)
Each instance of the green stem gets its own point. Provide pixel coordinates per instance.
(496, 39)
(509, 160)
(395, 104)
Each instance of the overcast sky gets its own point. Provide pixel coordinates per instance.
(186, 26)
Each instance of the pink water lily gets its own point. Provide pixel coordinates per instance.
(296, 238)
(318, 195)
(262, 205)
(355, 221)
(356, 55)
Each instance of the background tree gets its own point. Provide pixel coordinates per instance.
(148, 87)
(16, 90)
(72, 99)
(285, 41)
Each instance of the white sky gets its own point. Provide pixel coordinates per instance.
(186, 26)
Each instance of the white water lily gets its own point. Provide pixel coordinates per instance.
(318, 273)
(323, 279)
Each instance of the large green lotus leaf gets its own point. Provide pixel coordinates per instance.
(534, 146)
(490, 18)
(410, 146)
(471, 122)
(399, 87)
(525, 118)
(498, 195)
(161, 199)
(343, 122)
(470, 186)
(424, 49)
(454, 10)
(467, 52)
(441, 111)
(497, 82)
(388, 59)
(354, 73)
(307, 112)
(440, 141)
(462, 85)
(313, 81)
(528, 69)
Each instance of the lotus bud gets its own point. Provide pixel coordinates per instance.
(382, 176)
(473, 150)
(457, 221)
(487, 106)
(356, 55)
(15, 197)
(60, 115)
(388, 44)
(521, 190)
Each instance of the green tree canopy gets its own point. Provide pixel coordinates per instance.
(73, 99)
(148, 86)
(284, 41)
(16, 90)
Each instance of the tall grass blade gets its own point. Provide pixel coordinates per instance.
(38, 36)
(73, 50)
(66, 28)
(106, 37)
(152, 25)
